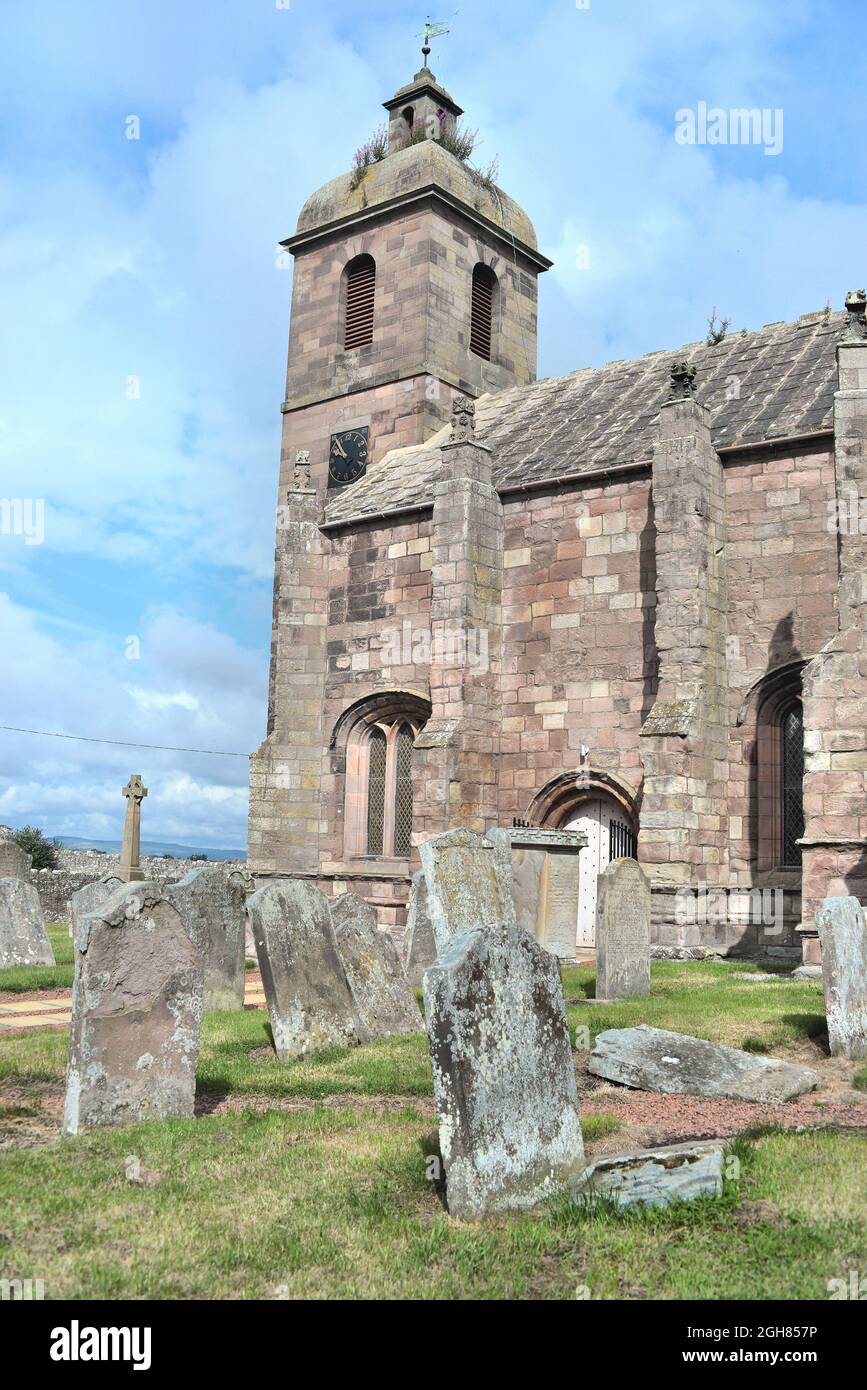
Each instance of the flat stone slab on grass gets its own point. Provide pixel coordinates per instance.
(310, 1000)
(807, 972)
(656, 1177)
(382, 992)
(504, 1080)
(136, 1011)
(212, 905)
(23, 938)
(652, 1059)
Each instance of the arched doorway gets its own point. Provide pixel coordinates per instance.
(609, 836)
(601, 807)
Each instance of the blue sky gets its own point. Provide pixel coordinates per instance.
(143, 339)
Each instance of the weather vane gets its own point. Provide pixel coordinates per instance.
(432, 30)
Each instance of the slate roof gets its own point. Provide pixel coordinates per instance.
(784, 376)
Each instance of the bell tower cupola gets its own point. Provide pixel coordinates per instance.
(421, 110)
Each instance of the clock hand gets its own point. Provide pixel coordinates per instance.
(340, 449)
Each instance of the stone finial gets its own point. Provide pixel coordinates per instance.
(463, 420)
(301, 471)
(135, 788)
(856, 321)
(682, 384)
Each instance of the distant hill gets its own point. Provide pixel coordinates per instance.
(154, 848)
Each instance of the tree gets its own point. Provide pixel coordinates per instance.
(44, 852)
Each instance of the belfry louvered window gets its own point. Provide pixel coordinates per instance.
(792, 781)
(360, 295)
(376, 792)
(482, 316)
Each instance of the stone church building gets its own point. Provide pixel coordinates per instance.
(629, 600)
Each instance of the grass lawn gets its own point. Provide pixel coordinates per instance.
(22, 979)
(328, 1196)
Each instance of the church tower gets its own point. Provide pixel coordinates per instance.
(414, 282)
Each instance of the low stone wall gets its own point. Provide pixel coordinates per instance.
(79, 866)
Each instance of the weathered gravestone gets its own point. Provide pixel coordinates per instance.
(23, 938)
(504, 1082)
(421, 947)
(91, 896)
(465, 885)
(622, 931)
(14, 861)
(656, 1177)
(213, 908)
(382, 993)
(136, 1011)
(652, 1059)
(540, 868)
(244, 880)
(309, 997)
(843, 937)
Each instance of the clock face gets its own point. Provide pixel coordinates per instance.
(347, 459)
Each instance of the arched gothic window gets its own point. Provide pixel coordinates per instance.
(791, 782)
(776, 789)
(377, 758)
(379, 734)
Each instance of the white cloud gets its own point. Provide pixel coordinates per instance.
(72, 787)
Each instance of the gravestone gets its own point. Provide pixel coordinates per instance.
(23, 938)
(247, 883)
(843, 937)
(421, 948)
(14, 861)
(309, 997)
(653, 1059)
(91, 896)
(656, 1177)
(465, 885)
(136, 1011)
(541, 868)
(622, 931)
(504, 1081)
(212, 905)
(382, 993)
